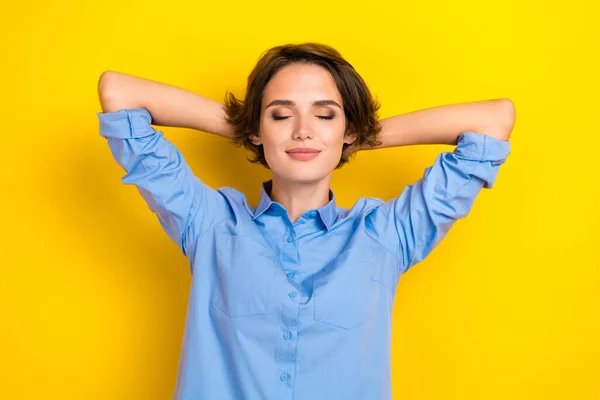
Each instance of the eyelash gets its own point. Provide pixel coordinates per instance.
(278, 118)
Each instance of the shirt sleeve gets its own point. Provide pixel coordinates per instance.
(417, 220)
(162, 176)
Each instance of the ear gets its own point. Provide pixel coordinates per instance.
(255, 139)
(351, 134)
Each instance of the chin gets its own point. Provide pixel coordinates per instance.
(302, 172)
(304, 176)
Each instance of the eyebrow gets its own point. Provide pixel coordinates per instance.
(317, 103)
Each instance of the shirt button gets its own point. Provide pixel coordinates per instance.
(284, 377)
(290, 274)
(312, 213)
(287, 335)
(292, 294)
(290, 239)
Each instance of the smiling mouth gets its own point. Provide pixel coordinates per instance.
(303, 155)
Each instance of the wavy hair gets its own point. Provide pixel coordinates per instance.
(360, 107)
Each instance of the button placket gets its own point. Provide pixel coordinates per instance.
(287, 338)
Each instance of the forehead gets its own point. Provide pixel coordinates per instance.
(301, 83)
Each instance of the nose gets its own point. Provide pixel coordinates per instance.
(303, 129)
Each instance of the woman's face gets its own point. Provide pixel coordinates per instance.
(302, 110)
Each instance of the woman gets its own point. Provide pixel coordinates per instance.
(292, 298)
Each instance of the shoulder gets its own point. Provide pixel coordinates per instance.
(234, 196)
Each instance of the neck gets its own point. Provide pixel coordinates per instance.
(298, 198)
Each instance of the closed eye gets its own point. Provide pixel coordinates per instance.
(278, 118)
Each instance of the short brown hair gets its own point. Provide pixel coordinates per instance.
(360, 107)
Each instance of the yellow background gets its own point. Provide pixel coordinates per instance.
(93, 294)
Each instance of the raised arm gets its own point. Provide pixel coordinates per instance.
(443, 124)
(184, 205)
(419, 218)
(169, 105)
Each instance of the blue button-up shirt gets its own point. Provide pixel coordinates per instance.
(302, 310)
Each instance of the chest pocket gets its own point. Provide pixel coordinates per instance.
(244, 276)
(348, 292)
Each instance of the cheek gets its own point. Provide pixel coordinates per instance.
(335, 141)
(272, 150)
(270, 144)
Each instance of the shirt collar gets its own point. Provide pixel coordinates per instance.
(327, 213)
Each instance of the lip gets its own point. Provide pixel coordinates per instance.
(303, 150)
(303, 153)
